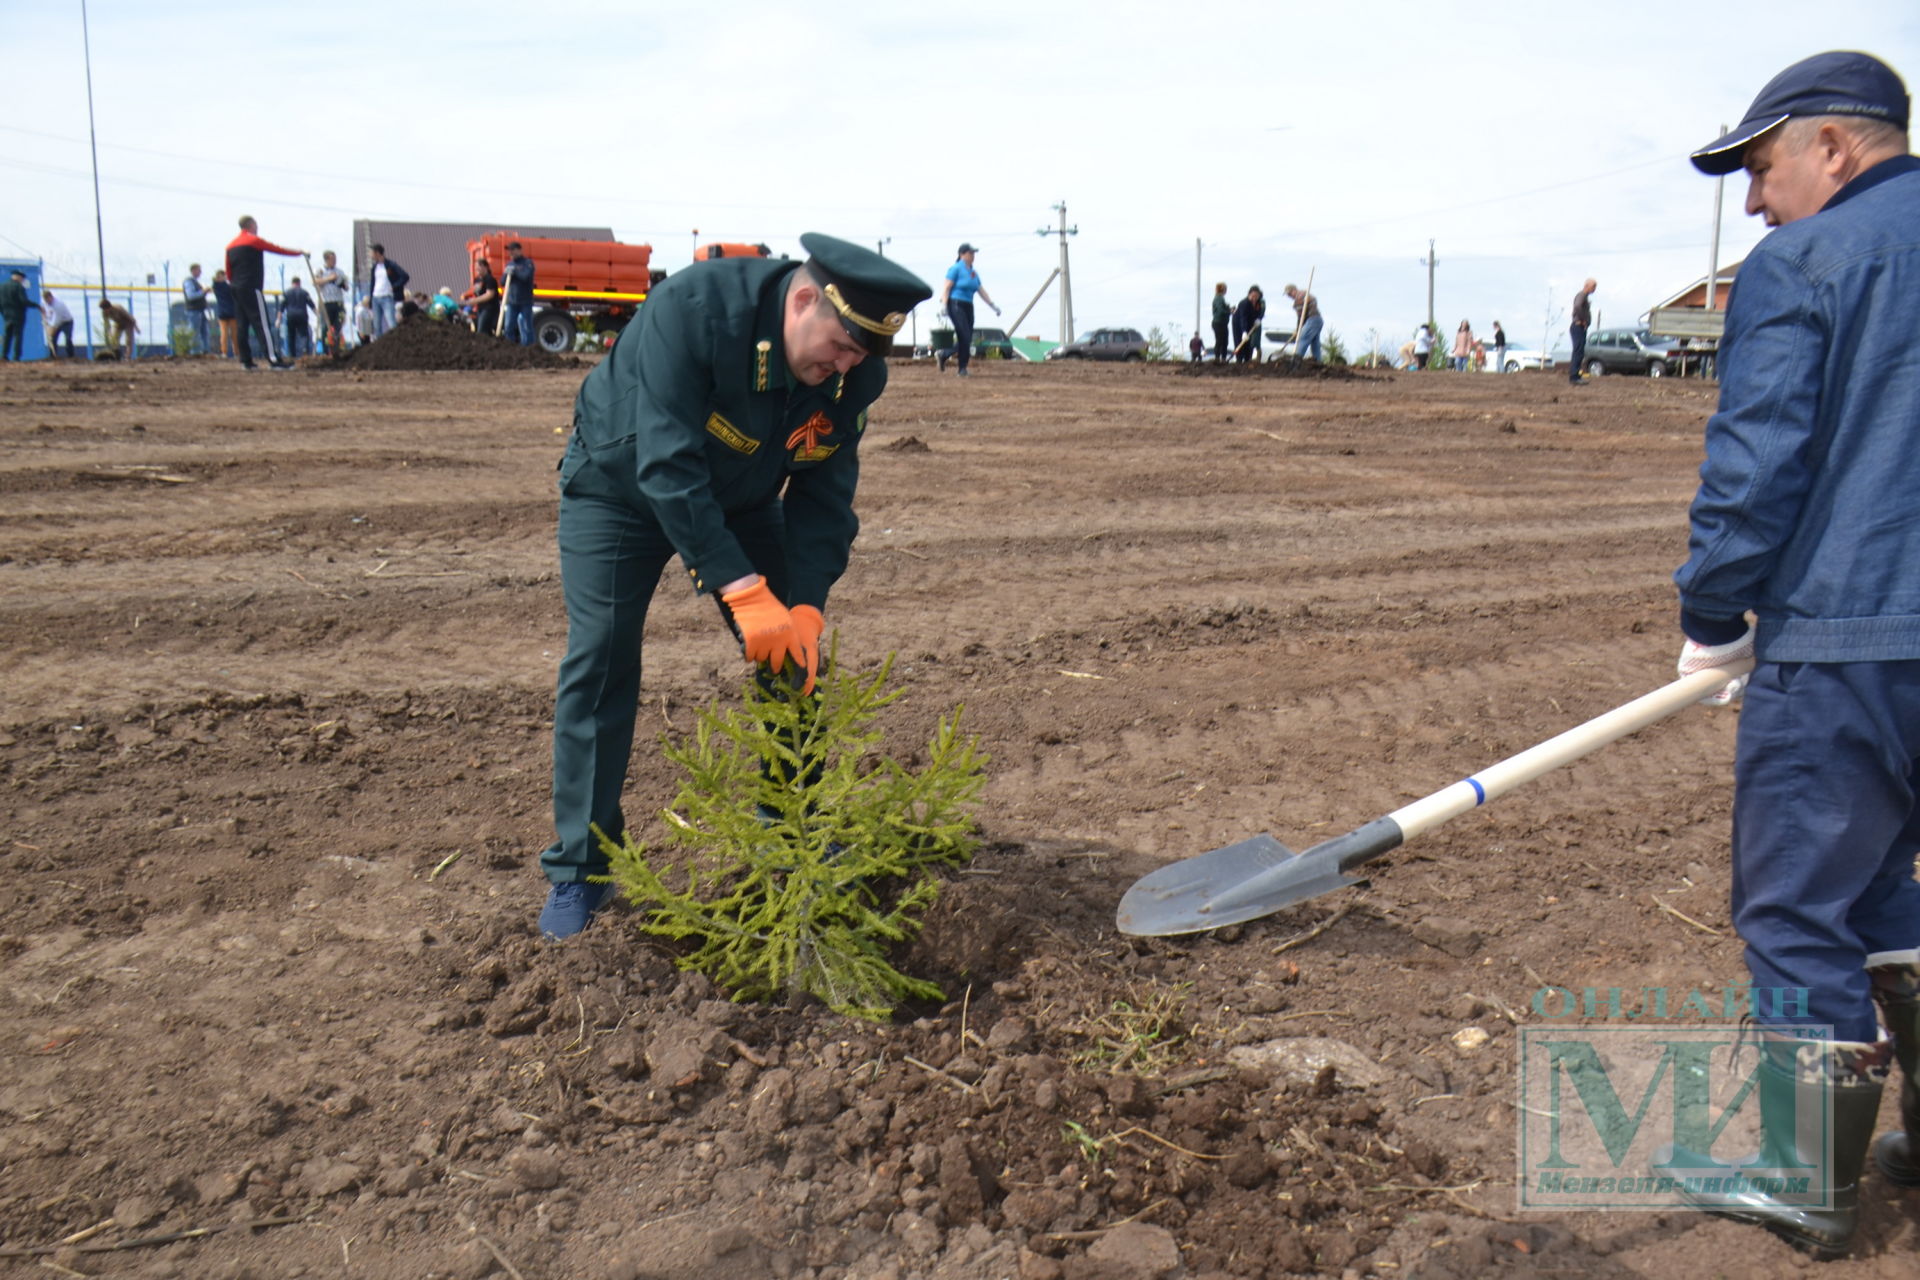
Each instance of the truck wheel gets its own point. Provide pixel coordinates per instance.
(553, 331)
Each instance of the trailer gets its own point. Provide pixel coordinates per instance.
(587, 284)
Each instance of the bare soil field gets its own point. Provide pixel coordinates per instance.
(276, 648)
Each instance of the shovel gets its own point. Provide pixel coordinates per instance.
(1260, 876)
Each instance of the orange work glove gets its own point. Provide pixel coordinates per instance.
(807, 626)
(766, 627)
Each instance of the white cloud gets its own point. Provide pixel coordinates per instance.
(1536, 146)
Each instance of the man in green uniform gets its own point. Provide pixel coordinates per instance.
(15, 302)
(723, 428)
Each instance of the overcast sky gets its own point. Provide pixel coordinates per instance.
(1535, 144)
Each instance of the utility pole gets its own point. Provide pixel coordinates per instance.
(881, 245)
(1713, 252)
(93, 143)
(1066, 274)
(1431, 262)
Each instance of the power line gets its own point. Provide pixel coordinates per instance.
(546, 191)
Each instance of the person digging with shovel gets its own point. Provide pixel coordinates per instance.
(724, 429)
(1808, 517)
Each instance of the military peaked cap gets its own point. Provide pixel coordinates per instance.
(872, 294)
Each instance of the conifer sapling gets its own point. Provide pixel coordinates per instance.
(803, 854)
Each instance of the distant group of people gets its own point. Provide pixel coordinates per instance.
(16, 301)
(1468, 353)
(231, 316)
(1246, 318)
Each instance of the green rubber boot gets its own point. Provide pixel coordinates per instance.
(1896, 988)
(1795, 1078)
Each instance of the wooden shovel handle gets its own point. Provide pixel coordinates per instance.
(1498, 779)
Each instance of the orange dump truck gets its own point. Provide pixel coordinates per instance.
(603, 281)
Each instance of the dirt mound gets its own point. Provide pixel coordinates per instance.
(418, 344)
(1272, 369)
(908, 444)
(990, 1115)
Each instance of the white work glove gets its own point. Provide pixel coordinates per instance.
(1695, 656)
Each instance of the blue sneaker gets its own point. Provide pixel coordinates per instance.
(570, 908)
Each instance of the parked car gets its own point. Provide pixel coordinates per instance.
(1518, 358)
(1631, 351)
(1277, 343)
(988, 344)
(1103, 344)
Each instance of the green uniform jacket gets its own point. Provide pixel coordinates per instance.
(698, 386)
(1220, 308)
(14, 300)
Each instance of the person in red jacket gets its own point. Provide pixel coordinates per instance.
(246, 272)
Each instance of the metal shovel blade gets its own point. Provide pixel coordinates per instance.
(1193, 895)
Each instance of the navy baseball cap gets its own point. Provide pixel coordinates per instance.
(1827, 84)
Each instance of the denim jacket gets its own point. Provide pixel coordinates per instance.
(1808, 511)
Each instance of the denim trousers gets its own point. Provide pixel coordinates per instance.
(1825, 828)
(519, 326)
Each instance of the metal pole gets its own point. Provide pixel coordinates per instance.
(99, 231)
(1065, 274)
(1037, 294)
(1431, 263)
(1713, 252)
(1066, 291)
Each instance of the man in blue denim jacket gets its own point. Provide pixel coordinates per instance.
(1808, 517)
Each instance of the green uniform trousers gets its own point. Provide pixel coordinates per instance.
(612, 551)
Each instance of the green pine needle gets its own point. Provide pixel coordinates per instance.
(806, 856)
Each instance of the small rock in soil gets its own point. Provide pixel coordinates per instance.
(771, 1102)
(218, 1188)
(536, 1170)
(683, 1055)
(1458, 938)
(625, 1054)
(1300, 1061)
(919, 1236)
(1136, 1249)
(1470, 1039)
(324, 1176)
(1010, 1035)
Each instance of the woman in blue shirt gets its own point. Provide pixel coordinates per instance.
(956, 300)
